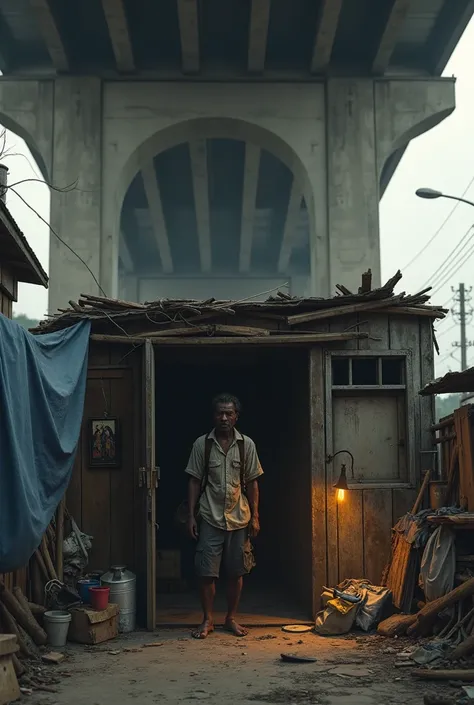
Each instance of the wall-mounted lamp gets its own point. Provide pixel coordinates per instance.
(341, 485)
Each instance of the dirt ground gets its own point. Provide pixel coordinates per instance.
(224, 668)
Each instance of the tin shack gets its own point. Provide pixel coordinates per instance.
(323, 383)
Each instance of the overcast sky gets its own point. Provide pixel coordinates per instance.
(442, 159)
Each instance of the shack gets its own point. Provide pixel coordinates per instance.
(18, 263)
(315, 377)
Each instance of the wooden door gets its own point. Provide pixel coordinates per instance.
(149, 479)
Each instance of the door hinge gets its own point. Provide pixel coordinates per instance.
(141, 477)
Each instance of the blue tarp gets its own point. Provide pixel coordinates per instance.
(42, 388)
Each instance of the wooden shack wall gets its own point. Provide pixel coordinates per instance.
(8, 290)
(356, 533)
(105, 502)
(8, 293)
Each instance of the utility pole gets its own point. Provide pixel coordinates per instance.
(463, 299)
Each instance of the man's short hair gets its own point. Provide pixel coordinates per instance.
(227, 399)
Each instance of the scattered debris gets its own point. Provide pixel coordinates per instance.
(152, 644)
(352, 671)
(297, 628)
(298, 658)
(53, 657)
(114, 652)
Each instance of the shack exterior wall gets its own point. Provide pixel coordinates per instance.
(349, 539)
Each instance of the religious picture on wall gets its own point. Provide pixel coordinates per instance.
(104, 442)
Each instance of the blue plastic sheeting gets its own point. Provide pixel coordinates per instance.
(42, 388)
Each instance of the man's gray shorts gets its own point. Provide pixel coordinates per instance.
(214, 543)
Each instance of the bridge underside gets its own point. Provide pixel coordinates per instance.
(231, 39)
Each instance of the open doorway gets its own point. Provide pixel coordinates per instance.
(273, 387)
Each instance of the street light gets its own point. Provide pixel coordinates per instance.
(431, 193)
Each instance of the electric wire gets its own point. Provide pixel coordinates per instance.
(420, 252)
(463, 243)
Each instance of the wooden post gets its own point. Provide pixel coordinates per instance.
(9, 689)
(60, 540)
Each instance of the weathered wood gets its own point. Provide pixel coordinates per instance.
(463, 425)
(36, 609)
(11, 627)
(377, 532)
(335, 312)
(209, 329)
(351, 535)
(47, 559)
(23, 616)
(20, 668)
(318, 476)
(428, 615)
(396, 625)
(42, 566)
(421, 493)
(291, 339)
(60, 539)
(9, 690)
(430, 674)
(462, 650)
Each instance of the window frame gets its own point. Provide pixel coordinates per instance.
(409, 394)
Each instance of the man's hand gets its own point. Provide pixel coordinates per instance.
(254, 527)
(193, 528)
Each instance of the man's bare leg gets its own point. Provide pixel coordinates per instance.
(234, 591)
(207, 592)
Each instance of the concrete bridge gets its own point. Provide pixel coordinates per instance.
(221, 146)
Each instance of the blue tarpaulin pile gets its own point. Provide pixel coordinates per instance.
(42, 388)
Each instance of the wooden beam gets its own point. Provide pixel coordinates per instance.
(117, 23)
(51, 35)
(291, 222)
(124, 254)
(189, 31)
(325, 33)
(291, 339)
(198, 152)
(156, 214)
(251, 169)
(390, 34)
(258, 31)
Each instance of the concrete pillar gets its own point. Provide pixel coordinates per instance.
(76, 213)
(352, 187)
(367, 120)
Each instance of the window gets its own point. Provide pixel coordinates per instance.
(370, 415)
(372, 371)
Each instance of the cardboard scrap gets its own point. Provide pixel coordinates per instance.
(53, 657)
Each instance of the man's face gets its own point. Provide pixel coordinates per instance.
(225, 417)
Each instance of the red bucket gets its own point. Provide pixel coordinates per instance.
(99, 597)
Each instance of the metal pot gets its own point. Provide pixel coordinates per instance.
(122, 584)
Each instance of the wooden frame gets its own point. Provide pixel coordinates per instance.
(103, 437)
(407, 388)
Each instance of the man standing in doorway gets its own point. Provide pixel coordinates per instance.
(223, 468)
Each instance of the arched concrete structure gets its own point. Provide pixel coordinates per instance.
(336, 134)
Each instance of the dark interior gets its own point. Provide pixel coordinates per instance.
(273, 387)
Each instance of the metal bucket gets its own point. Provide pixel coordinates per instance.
(122, 584)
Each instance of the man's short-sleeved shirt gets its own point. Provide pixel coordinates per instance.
(223, 504)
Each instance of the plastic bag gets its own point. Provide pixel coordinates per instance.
(337, 618)
(438, 564)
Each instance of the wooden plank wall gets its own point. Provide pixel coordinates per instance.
(7, 294)
(357, 532)
(104, 501)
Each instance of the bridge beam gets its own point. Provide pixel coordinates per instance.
(390, 34)
(51, 35)
(251, 169)
(189, 31)
(117, 24)
(291, 224)
(258, 31)
(328, 20)
(198, 152)
(155, 207)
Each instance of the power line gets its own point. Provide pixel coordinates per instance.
(440, 227)
(458, 249)
(443, 332)
(457, 266)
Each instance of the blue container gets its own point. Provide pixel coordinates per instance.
(83, 588)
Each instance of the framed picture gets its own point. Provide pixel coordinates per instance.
(104, 442)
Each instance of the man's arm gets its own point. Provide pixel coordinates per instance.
(253, 497)
(194, 490)
(195, 470)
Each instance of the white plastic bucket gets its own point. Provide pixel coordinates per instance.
(56, 624)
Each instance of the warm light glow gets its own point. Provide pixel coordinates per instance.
(340, 495)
